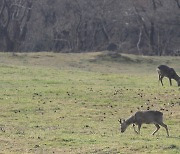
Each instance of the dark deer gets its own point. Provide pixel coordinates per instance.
(165, 71)
(144, 117)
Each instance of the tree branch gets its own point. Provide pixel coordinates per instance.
(139, 40)
(178, 3)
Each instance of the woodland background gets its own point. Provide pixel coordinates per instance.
(145, 27)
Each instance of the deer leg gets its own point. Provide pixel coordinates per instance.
(170, 82)
(161, 77)
(165, 126)
(139, 127)
(157, 128)
(135, 129)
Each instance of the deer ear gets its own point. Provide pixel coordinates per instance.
(120, 121)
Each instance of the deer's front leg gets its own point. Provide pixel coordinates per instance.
(161, 80)
(139, 127)
(170, 81)
(135, 129)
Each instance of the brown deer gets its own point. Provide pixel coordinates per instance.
(144, 117)
(165, 71)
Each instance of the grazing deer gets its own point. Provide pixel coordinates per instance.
(165, 71)
(144, 117)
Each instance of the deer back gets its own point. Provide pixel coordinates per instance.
(148, 117)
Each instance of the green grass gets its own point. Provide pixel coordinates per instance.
(71, 103)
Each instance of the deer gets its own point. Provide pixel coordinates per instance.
(144, 117)
(165, 71)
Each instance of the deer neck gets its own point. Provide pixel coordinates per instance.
(130, 120)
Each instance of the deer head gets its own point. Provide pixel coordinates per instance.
(123, 125)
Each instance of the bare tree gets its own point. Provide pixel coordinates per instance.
(141, 27)
(178, 3)
(14, 17)
(157, 19)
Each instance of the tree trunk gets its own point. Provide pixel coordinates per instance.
(152, 35)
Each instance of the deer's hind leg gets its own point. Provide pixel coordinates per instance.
(165, 126)
(157, 128)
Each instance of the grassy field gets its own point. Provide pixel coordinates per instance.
(71, 103)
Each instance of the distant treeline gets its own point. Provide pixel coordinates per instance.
(149, 27)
